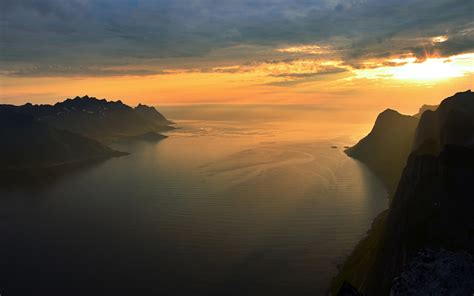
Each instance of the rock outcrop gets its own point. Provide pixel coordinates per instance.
(436, 272)
(432, 205)
(386, 148)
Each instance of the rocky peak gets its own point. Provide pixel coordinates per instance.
(450, 123)
(151, 114)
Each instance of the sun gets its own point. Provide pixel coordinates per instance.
(430, 69)
(411, 69)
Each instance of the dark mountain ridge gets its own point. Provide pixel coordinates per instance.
(99, 119)
(30, 144)
(451, 123)
(432, 205)
(72, 131)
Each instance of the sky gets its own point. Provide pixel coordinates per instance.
(353, 54)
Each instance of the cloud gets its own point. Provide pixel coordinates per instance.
(67, 71)
(85, 36)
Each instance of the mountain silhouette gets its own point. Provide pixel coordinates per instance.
(385, 149)
(432, 205)
(28, 144)
(75, 130)
(99, 119)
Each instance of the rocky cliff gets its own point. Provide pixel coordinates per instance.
(386, 148)
(432, 205)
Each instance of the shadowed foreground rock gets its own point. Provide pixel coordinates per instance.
(436, 273)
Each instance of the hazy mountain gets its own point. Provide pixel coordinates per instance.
(151, 114)
(27, 143)
(46, 135)
(433, 203)
(99, 119)
(386, 148)
(425, 108)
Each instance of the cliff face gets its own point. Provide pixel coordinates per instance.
(432, 208)
(385, 149)
(451, 123)
(432, 205)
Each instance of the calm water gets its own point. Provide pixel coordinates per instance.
(218, 208)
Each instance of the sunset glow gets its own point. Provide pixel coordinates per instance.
(229, 147)
(429, 71)
(282, 53)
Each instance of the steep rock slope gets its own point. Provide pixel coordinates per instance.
(385, 149)
(432, 205)
(152, 115)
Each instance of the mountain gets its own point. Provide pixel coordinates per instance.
(28, 144)
(150, 113)
(432, 205)
(425, 108)
(39, 136)
(99, 119)
(451, 123)
(385, 149)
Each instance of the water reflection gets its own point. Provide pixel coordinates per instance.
(218, 208)
(37, 180)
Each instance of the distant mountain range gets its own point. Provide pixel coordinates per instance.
(432, 200)
(71, 131)
(100, 119)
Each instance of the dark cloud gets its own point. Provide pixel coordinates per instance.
(68, 71)
(95, 34)
(292, 79)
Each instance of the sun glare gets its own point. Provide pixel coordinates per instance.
(431, 69)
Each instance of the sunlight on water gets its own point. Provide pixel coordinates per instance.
(218, 208)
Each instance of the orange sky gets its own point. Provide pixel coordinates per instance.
(333, 54)
(403, 84)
